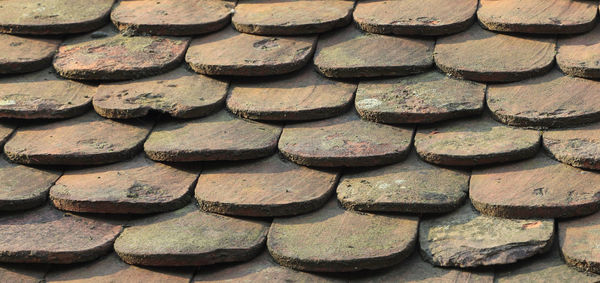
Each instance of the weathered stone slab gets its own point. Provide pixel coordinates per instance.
(579, 147)
(23, 187)
(25, 54)
(579, 55)
(578, 242)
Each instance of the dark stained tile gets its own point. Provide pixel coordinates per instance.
(22, 273)
(578, 239)
(424, 98)
(335, 240)
(25, 54)
(465, 238)
(291, 17)
(416, 270)
(579, 55)
(112, 269)
(221, 136)
(43, 95)
(552, 100)
(415, 17)
(351, 53)
(23, 187)
(229, 52)
(265, 188)
(84, 140)
(189, 237)
(305, 95)
(172, 17)
(579, 147)
(108, 55)
(538, 187)
(139, 185)
(53, 16)
(538, 16)
(46, 235)
(475, 141)
(260, 269)
(180, 93)
(412, 186)
(481, 55)
(345, 141)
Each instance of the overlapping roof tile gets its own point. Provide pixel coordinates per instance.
(25, 54)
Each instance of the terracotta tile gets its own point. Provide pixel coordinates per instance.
(481, 55)
(553, 100)
(23, 187)
(260, 269)
(577, 147)
(475, 141)
(25, 54)
(578, 55)
(46, 235)
(179, 93)
(221, 136)
(345, 141)
(265, 188)
(465, 238)
(22, 273)
(6, 130)
(189, 237)
(538, 187)
(53, 16)
(43, 95)
(412, 186)
(108, 55)
(229, 52)
(538, 16)
(305, 95)
(289, 17)
(172, 17)
(112, 269)
(84, 140)
(135, 186)
(579, 242)
(351, 53)
(416, 270)
(335, 240)
(425, 98)
(415, 17)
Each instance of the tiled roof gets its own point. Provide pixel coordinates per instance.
(299, 141)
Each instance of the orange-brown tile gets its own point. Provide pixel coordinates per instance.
(23, 187)
(579, 55)
(579, 147)
(25, 54)
(578, 242)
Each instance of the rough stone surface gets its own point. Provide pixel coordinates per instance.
(189, 237)
(19, 273)
(412, 186)
(6, 130)
(579, 242)
(136, 186)
(172, 17)
(23, 187)
(351, 53)
(415, 17)
(538, 187)
(305, 95)
(46, 235)
(43, 95)
(108, 55)
(552, 100)
(538, 16)
(335, 240)
(260, 269)
(345, 141)
(290, 17)
(42, 17)
(481, 55)
(84, 140)
(179, 93)
(475, 141)
(579, 147)
(229, 52)
(425, 98)
(25, 54)
(465, 239)
(264, 188)
(112, 269)
(221, 136)
(580, 55)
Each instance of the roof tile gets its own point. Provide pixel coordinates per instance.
(577, 147)
(22, 274)
(6, 131)
(23, 187)
(578, 242)
(578, 55)
(25, 54)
